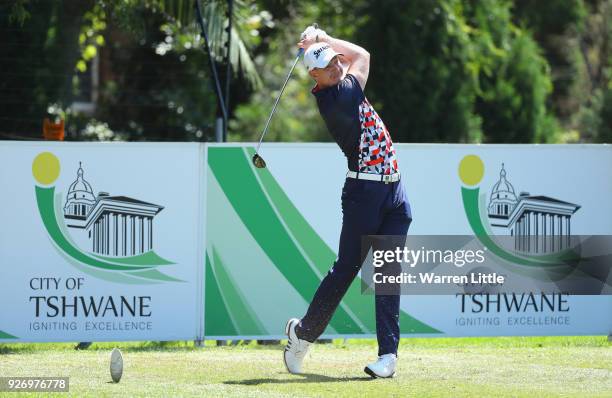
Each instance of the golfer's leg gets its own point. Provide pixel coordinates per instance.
(396, 222)
(360, 217)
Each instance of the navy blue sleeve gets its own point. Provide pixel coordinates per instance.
(350, 90)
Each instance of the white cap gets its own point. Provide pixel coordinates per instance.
(318, 55)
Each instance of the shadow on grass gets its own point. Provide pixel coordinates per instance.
(303, 378)
(165, 346)
(15, 349)
(159, 346)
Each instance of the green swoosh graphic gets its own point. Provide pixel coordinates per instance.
(4, 335)
(141, 266)
(243, 317)
(151, 276)
(282, 241)
(148, 258)
(217, 320)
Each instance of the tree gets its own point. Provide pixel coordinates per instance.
(156, 40)
(451, 71)
(40, 50)
(593, 120)
(513, 80)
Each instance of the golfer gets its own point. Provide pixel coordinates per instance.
(373, 199)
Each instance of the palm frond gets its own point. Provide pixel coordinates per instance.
(215, 16)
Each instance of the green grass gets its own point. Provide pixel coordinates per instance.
(460, 367)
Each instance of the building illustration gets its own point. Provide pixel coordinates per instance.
(539, 224)
(117, 226)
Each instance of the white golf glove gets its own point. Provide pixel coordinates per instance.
(312, 32)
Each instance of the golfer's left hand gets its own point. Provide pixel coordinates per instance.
(310, 31)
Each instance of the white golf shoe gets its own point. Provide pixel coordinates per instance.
(384, 367)
(296, 348)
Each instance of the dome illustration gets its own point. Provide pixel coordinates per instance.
(80, 198)
(80, 185)
(503, 198)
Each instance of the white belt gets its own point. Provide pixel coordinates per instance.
(386, 178)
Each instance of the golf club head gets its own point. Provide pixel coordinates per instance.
(258, 162)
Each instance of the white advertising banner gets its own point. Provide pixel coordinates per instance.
(99, 241)
(288, 219)
(169, 241)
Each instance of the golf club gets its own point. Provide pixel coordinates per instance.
(258, 160)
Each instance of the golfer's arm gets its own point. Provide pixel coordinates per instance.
(357, 56)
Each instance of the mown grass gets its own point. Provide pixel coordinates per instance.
(458, 367)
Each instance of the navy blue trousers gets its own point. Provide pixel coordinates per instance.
(368, 208)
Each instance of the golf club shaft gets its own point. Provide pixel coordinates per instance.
(300, 52)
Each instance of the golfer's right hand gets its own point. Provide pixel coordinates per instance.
(312, 32)
(306, 42)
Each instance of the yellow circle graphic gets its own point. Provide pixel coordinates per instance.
(46, 168)
(471, 170)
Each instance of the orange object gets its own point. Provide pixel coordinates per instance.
(53, 131)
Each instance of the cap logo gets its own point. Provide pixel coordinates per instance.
(318, 51)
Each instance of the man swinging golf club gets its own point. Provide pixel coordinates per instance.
(373, 199)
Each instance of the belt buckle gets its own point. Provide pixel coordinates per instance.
(387, 178)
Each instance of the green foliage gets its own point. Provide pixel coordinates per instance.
(154, 76)
(159, 92)
(582, 82)
(556, 25)
(18, 13)
(441, 70)
(419, 80)
(513, 100)
(550, 17)
(164, 37)
(91, 35)
(245, 30)
(296, 118)
(39, 51)
(605, 127)
(456, 71)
